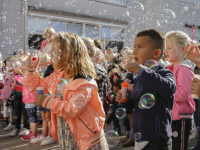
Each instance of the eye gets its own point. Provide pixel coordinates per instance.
(139, 46)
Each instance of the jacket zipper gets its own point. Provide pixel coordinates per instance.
(87, 126)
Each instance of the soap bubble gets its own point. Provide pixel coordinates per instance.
(57, 87)
(79, 101)
(57, 52)
(137, 136)
(165, 17)
(152, 64)
(55, 59)
(120, 113)
(146, 101)
(112, 138)
(134, 9)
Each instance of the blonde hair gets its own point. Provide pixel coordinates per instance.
(50, 30)
(74, 56)
(128, 53)
(89, 43)
(100, 54)
(178, 38)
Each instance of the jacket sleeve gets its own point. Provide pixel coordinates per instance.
(66, 108)
(33, 81)
(18, 88)
(183, 83)
(162, 82)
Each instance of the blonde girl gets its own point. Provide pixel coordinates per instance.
(77, 117)
(184, 106)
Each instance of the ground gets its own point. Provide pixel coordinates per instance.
(15, 143)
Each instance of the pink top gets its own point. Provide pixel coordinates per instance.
(6, 91)
(184, 105)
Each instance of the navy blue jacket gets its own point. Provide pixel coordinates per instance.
(153, 124)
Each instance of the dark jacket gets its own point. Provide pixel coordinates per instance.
(153, 124)
(130, 76)
(101, 80)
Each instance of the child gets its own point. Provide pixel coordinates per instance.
(194, 55)
(73, 126)
(45, 138)
(112, 117)
(19, 109)
(46, 45)
(28, 99)
(183, 70)
(100, 70)
(151, 128)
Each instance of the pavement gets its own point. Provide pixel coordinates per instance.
(15, 143)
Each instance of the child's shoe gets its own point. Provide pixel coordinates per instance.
(29, 136)
(9, 127)
(38, 139)
(14, 132)
(23, 131)
(48, 140)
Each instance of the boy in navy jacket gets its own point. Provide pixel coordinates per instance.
(151, 128)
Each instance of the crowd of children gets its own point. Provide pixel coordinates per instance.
(92, 93)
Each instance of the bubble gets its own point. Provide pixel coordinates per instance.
(79, 101)
(152, 64)
(31, 120)
(55, 59)
(120, 113)
(165, 17)
(57, 52)
(3, 18)
(57, 86)
(112, 138)
(134, 8)
(137, 136)
(146, 101)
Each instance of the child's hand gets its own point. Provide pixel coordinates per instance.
(195, 86)
(30, 65)
(193, 54)
(134, 67)
(118, 97)
(13, 86)
(39, 98)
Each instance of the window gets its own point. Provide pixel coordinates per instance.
(74, 28)
(37, 25)
(58, 26)
(92, 31)
(114, 2)
(117, 33)
(106, 32)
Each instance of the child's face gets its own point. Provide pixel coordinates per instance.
(172, 52)
(143, 50)
(115, 89)
(109, 52)
(127, 60)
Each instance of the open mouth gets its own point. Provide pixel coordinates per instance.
(135, 59)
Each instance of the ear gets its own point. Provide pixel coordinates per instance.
(157, 53)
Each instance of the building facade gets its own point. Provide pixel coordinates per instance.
(23, 21)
